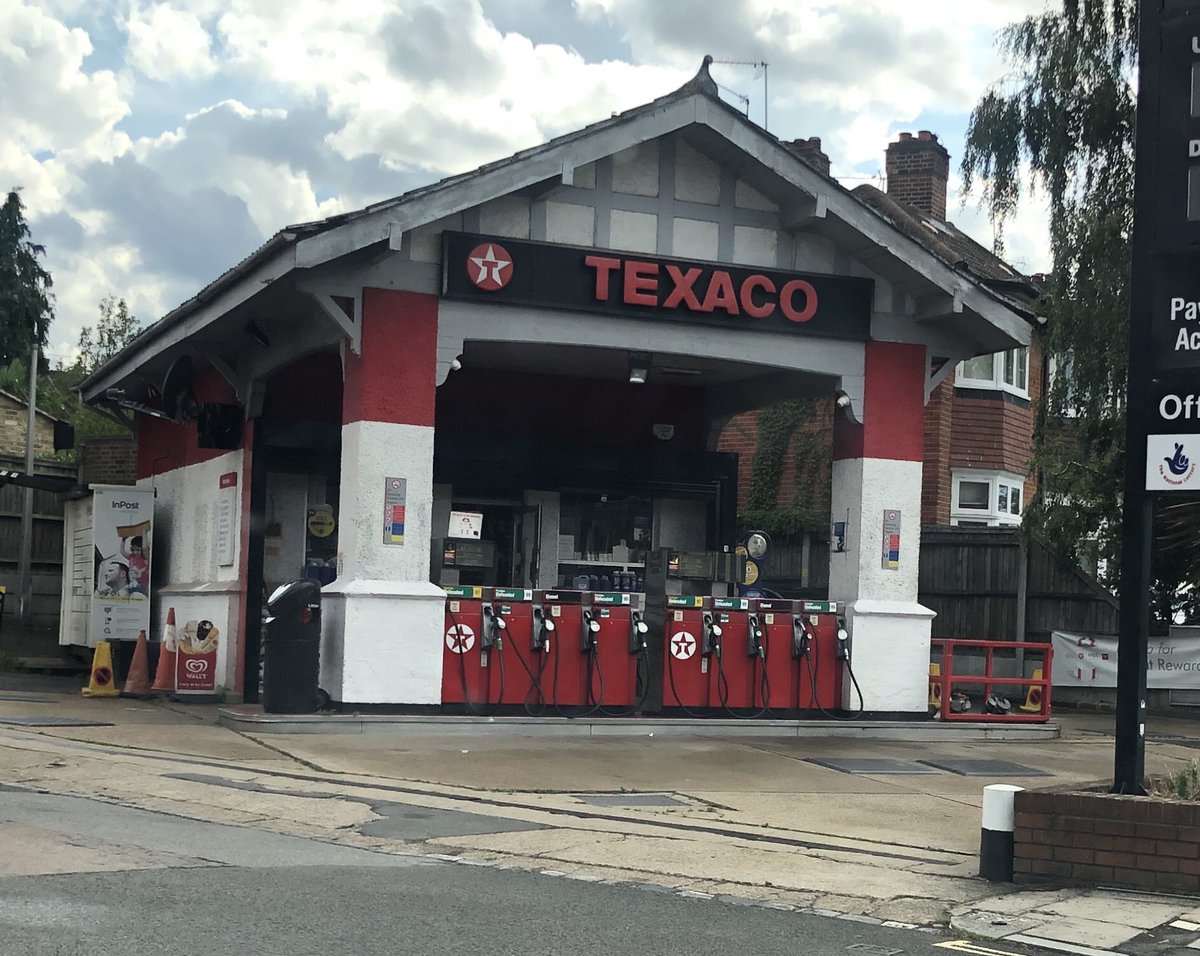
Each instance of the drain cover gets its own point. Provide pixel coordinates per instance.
(53, 722)
(629, 800)
(873, 766)
(987, 768)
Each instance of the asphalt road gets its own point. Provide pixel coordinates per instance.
(218, 890)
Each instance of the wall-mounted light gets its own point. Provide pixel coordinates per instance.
(639, 368)
(843, 400)
(257, 335)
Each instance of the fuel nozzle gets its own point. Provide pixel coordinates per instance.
(638, 629)
(591, 628)
(754, 643)
(494, 626)
(543, 627)
(712, 636)
(801, 638)
(843, 640)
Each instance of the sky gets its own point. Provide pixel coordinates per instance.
(157, 144)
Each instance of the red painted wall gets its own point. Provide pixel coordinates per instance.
(581, 411)
(310, 389)
(894, 420)
(164, 446)
(394, 380)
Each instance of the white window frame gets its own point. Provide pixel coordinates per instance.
(991, 516)
(996, 382)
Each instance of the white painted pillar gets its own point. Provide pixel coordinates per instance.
(877, 482)
(382, 625)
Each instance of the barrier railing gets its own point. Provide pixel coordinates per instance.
(986, 681)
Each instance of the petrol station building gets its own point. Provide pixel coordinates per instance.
(552, 343)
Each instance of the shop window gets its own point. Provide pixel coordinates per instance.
(604, 537)
(1004, 371)
(987, 499)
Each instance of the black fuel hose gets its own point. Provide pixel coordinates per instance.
(462, 666)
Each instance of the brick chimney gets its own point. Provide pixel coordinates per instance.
(810, 151)
(918, 170)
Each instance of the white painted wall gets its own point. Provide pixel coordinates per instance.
(889, 629)
(184, 571)
(635, 170)
(696, 239)
(697, 178)
(382, 618)
(633, 231)
(570, 224)
(747, 197)
(755, 247)
(506, 216)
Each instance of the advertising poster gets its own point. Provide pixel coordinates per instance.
(394, 497)
(1090, 660)
(196, 658)
(122, 538)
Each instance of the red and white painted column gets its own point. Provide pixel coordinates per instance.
(382, 617)
(877, 493)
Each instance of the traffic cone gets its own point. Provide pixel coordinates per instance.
(103, 682)
(935, 686)
(164, 673)
(137, 681)
(1033, 699)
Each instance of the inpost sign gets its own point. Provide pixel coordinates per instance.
(543, 275)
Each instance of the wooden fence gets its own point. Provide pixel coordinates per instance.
(984, 583)
(47, 542)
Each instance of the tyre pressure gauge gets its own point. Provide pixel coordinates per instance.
(757, 544)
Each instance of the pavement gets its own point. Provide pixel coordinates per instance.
(882, 831)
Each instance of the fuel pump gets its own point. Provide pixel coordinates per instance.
(540, 641)
(463, 676)
(711, 648)
(639, 645)
(844, 654)
(756, 650)
(589, 646)
(491, 639)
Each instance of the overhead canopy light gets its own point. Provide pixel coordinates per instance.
(639, 367)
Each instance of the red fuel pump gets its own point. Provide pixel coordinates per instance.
(620, 653)
(802, 654)
(737, 675)
(692, 676)
(511, 613)
(473, 633)
(565, 680)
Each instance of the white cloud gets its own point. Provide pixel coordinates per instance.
(166, 44)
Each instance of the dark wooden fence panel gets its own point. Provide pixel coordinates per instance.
(47, 541)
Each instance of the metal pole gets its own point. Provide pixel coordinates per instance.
(25, 602)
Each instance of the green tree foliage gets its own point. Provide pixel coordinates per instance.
(26, 305)
(1062, 123)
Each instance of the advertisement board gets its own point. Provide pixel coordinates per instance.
(122, 546)
(1090, 660)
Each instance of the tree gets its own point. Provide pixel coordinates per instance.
(1062, 122)
(115, 329)
(26, 305)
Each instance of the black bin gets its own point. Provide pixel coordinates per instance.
(292, 649)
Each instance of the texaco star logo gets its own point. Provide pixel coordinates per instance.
(460, 639)
(683, 646)
(489, 266)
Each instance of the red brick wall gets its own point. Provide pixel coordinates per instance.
(918, 169)
(108, 460)
(1089, 835)
(935, 472)
(807, 464)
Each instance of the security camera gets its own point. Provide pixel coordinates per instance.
(1041, 319)
(455, 365)
(843, 401)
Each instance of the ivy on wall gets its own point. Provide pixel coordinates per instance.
(776, 425)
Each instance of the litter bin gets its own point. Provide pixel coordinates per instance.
(292, 649)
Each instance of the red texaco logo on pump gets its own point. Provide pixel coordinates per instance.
(683, 645)
(489, 266)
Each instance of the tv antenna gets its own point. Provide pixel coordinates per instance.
(758, 65)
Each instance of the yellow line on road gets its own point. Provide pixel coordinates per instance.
(966, 946)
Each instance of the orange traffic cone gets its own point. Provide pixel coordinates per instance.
(1033, 699)
(101, 683)
(137, 681)
(164, 673)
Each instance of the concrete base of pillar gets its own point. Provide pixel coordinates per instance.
(889, 642)
(381, 642)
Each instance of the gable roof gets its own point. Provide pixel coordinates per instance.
(951, 244)
(24, 404)
(696, 103)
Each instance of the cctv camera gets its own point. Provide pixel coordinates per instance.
(843, 401)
